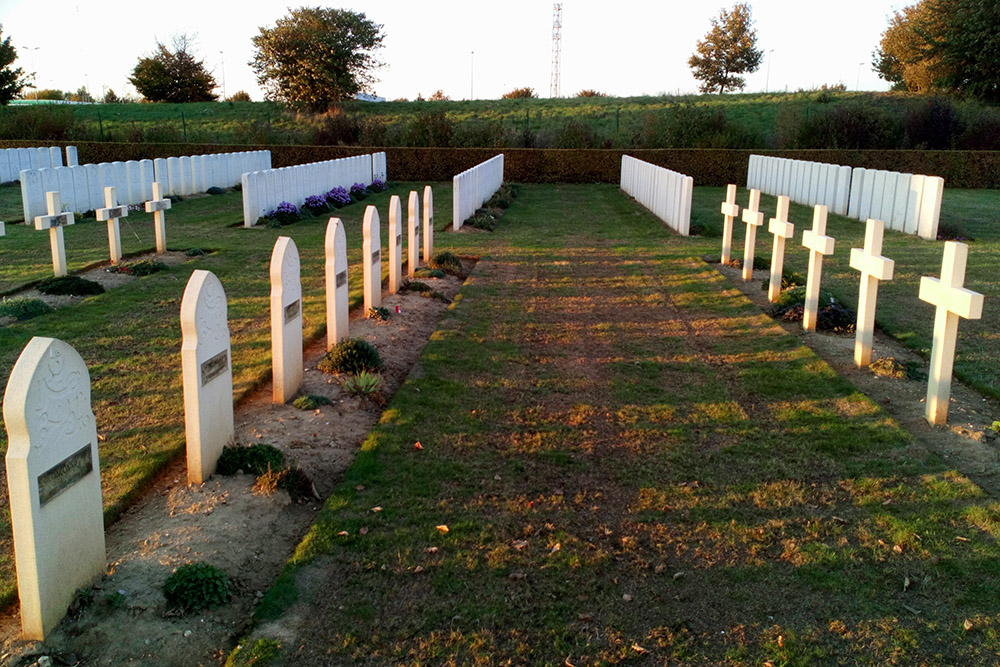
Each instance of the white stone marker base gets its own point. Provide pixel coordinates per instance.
(336, 283)
(753, 219)
(54, 222)
(286, 320)
(412, 233)
(111, 213)
(428, 224)
(395, 244)
(953, 301)
(371, 260)
(873, 268)
(157, 206)
(730, 209)
(819, 244)
(207, 369)
(782, 230)
(54, 481)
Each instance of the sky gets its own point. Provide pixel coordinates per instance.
(466, 48)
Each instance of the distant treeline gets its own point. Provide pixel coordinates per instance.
(824, 119)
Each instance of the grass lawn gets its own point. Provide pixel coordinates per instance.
(633, 464)
(130, 336)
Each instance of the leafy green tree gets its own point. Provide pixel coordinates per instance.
(110, 97)
(728, 50)
(589, 92)
(520, 93)
(901, 57)
(173, 76)
(239, 96)
(317, 56)
(12, 80)
(962, 40)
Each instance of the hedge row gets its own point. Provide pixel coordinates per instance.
(708, 166)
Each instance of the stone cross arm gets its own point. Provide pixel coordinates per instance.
(876, 266)
(731, 209)
(817, 242)
(752, 217)
(111, 213)
(959, 300)
(53, 221)
(157, 205)
(785, 230)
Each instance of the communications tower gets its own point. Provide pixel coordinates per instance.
(556, 48)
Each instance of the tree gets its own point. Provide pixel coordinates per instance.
(438, 96)
(173, 76)
(239, 96)
(520, 93)
(81, 95)
(12, 80)
(729, 49)
(110, 97)
(588, 92)
(317, 56)
(901, 57)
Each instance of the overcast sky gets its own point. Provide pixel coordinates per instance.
(463, 47)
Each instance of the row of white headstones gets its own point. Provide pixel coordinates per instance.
(53, 468)
(57, 219)
(473, 187)
(946, 293)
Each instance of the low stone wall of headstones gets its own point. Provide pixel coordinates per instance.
(14, 160)
(264, 189)
(667, 194)
(909, 203)
(804, 182)
(473, 187)
(81, 187)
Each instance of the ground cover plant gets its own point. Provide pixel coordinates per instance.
(130, 335)
(622, 460)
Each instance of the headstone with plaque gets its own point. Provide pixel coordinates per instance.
(336, 283)
(286, 320)
(395, 244)
(428, 223)
(206, 360)
(371, 260)
(413, 233)
(54, 481)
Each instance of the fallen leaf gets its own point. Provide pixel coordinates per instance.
(417, 445)
(584, 617)
(363, 531)
(627, 597)
(376, 509)
(555, 548)
(359, 487)
(659, 569)
(906, 582)
(442, 528)
(418, 569)
(568, 663)
(342, 533)
(967, 625)
(781, 641)
(678, 575)
(520, 544)
(432, 550)
(638, 649)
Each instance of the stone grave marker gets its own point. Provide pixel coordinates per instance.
(72, 160)
(818, 244)
(753, 219)
(111, 213)
(395, 244)
(81, 190)
(371, 260)
(286, 320)
(95, 191)
(730, 209)
(50, 179)
(174, 183)
(54, 222)
(67, 189)
(206, 362)
(133, 173)
(428, 223)
(161, 173)
(782, 231)
(413, 233)
(146, 179)
(54, 482)
(55, 156)
(3, 229)
(873, 267)
(157, 206)
(336, 283)
(31, 194)
(952, 301)
(121, 178)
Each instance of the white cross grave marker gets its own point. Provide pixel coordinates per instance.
(157, 206)
(395, 244)
(753, 219)
(286, 320)
(54, 481)
(782, 230)
(371, 260)
(873, 267)
(428, 223)
(54, 222)
(730, 209)
(336, 283)
(111, 213)
(953, 301)
(413, 233)
(206, 360)
(819, 244)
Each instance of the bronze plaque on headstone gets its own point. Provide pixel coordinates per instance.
(341, 278)
(64, 474)
(214, 367)
(376, 256)
(399, 240)
(292, 310)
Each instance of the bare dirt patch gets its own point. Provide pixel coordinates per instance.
(126, 620)
(967, 442)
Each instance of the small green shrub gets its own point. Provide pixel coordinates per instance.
(310, 401)
(196, 586)
(256, 655)
(447, 262)
(215, 190)
(380, 313)
(70, 285)
(416, 286)
(363, 384)
(21, 308)
(352, 355)
(424, 272)
(144, 268)
(995, 426)
(255, 459)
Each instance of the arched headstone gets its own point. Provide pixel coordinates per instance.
(428, 223)
(371, 260)
(336, 283)
(286, 320)
(395, 244)
(412, 233)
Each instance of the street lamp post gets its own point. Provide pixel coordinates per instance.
(767, 80)
(472, 75)
(223, 56)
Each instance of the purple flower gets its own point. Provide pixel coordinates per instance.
(338, 197)
(378, 185)
(315, 201)
(358, 189)
(285, 207)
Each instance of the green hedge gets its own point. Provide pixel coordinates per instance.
(708, 166)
